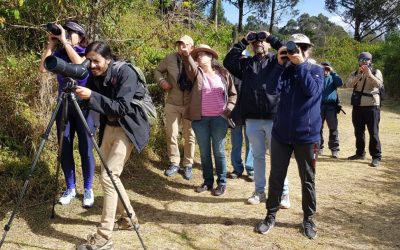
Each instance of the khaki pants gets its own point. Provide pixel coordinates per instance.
(173, 118)
(116, 148)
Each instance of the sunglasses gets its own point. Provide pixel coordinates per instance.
(364, 60)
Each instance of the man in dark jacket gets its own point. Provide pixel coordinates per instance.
(257, 107)
(122, 128)
(329, 108)
(296, 128)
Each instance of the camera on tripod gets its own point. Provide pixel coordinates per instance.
(72, 71)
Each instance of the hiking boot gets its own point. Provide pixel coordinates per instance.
(220, 190)
(67, 196)
(88, 198)
(285, 202)
(309, 228)
(250, 176)
(375, 162)
(256, 198)
(203, 188)
(125, 224)
(266, 225)
(335, 154)
(96, 242)
(188, 173)
(172, 170)
(234, 175)
(356, 157)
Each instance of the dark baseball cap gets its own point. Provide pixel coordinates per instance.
(70, 25)
(328, 64)
(365, 55)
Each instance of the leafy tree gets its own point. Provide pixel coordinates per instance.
(254, 23)
(249, 5)
(317, 28)
(275, 9)
(217, 13)
(367, 17)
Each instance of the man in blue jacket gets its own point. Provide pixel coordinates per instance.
(328, 108)
(296, 128)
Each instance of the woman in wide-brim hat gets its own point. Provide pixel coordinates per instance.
(212, 100)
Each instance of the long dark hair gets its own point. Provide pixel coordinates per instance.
(101, 48)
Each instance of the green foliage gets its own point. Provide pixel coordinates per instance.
(391, 57)
(343, 54)
(317, 28)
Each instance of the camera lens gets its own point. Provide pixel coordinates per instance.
(292, 48)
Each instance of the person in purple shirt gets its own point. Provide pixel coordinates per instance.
(70, 46)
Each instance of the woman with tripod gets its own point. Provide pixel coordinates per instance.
(70, 46)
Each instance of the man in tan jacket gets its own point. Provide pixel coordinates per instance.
(172, 78)
(366, 82)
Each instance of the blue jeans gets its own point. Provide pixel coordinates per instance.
(259, 133)
(211, 130)
(236, 153)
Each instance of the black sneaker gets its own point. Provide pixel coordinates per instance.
(172, 170)
(203, 188)
(234, 175)
(220, 190)
(375, 163)
(356, 157)
(266, 225)
(309, 228)
(188, 173)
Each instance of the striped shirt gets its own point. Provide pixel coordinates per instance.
(212, 96)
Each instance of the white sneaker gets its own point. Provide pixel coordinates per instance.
(256, 198)
(88, 198)
(285, 202)
(67, 196)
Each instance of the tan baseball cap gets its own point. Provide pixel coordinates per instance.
(186, 40)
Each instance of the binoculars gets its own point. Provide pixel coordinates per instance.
(260, 36)
(53, 29)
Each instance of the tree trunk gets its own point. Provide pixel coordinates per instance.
(357, 21)
(93, 29)
(240, 24)
(215, 13)
(272, 19)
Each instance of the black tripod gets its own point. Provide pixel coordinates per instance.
(63, 100)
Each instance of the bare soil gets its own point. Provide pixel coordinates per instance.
(358, 207)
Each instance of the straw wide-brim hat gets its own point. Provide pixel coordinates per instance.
(205, 48)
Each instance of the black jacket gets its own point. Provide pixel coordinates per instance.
(253, 101)
(112, 96)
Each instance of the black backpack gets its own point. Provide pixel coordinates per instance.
(145, 103)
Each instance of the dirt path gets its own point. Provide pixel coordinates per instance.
(358, 206)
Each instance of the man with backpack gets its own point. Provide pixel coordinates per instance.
(172, 78)
(366, 82)
(329, 109)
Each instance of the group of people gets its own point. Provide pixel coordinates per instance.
(275, 102)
